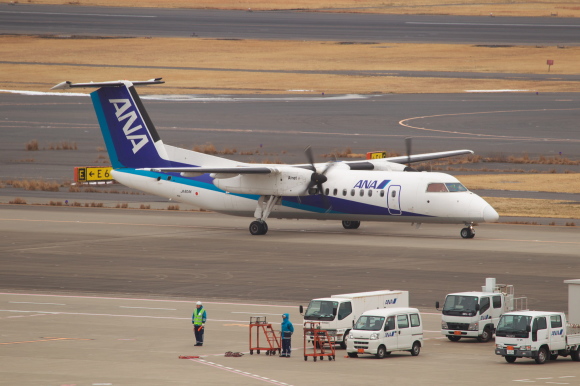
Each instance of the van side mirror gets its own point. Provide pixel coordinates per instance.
(301, 308)
(528, 328)
(477, 308)
(437, 306)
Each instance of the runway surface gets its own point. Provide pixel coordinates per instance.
(286, 25)
(98, 341)
(151, 253)
(278, 128)
(104, 297)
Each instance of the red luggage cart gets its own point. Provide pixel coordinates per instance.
(262, 327)
(321, 340)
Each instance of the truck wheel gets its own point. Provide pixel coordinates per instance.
(485, 335)
(352, 355)
(542, 356)
(453, 338)
(510, 359)
(416, 349)
(344, 340)
(575, 354)
(381, 352)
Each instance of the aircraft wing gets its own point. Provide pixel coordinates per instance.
(353, 165)
(201, 170)
(403, 159)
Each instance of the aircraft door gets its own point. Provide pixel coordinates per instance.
(394, 200)
(390, 334)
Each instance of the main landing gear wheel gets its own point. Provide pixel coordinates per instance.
(351, 224)
(258, 228)
(467, 233)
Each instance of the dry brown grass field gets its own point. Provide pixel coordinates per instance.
(527, 207)
(556, 183)
(193, 65)
(561, 8)
(224, 64)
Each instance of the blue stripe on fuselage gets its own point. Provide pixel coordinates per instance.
(313, 203)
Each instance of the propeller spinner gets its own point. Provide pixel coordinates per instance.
(317, 179)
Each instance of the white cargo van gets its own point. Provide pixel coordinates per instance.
(380, 332)
(338, 313)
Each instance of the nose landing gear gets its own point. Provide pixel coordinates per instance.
(468, 232)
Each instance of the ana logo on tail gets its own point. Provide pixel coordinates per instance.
(121, 106)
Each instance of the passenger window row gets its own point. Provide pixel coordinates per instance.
(353, 192)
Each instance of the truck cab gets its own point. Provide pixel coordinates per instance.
(476, 314)
(471, 315)
(380, 332)
(537, 335)
(330, 313)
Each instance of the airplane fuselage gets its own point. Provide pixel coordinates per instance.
(349, 195)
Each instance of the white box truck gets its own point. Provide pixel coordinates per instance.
(380, 332)
(538, 335)
(476, 314)
(338, 313)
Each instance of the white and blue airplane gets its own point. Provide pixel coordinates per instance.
(348, 191)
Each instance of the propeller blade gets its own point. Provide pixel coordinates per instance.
(408, 141)
(408, 145)
(310, 157)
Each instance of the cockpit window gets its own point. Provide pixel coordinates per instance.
(436, 187)
(455, 187)
(447, 187)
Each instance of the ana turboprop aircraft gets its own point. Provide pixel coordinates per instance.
(351, 192)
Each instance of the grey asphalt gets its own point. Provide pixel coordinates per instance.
(280, 127)
(403, 74)
(56, 340)
(288, 25)
(177, 254)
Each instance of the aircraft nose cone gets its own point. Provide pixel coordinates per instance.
(489, 214)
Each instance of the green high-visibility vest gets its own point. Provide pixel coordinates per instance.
(198, 316)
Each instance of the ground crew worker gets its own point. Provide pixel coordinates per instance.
(286, 335)
(198, 320)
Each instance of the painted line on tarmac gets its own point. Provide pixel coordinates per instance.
(239, 372)
(143, 299)
(55, 304)
(48, 339)
(150, 308)
(252, 313)
(122, 316)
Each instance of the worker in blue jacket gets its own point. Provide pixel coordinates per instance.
(286, 335)
(198, 320)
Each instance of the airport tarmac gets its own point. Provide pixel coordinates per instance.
(104, 296)
(80, 340)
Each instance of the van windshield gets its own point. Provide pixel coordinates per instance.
(460, 305)
(321, 310)
(513, 326)
(369, 323)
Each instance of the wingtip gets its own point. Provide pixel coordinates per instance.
(62, 86)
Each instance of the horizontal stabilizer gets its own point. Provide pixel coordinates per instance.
(68, 85)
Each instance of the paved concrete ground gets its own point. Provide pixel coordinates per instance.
(79, 340)
(126, 281)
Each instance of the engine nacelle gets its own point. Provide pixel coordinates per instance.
(285, 182)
